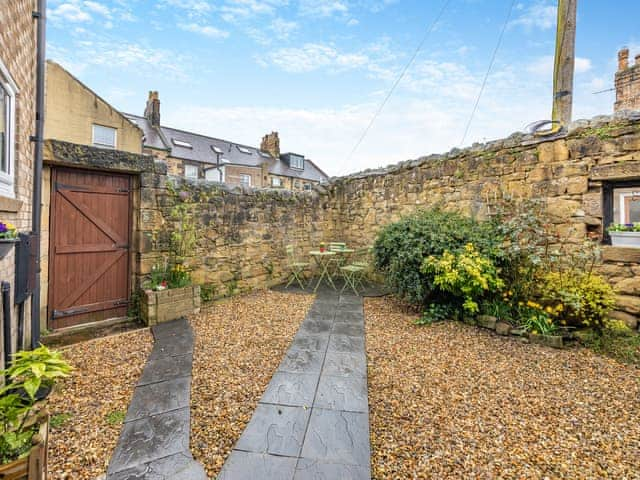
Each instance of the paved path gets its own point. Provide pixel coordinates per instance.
(154, 442)
(312, 421)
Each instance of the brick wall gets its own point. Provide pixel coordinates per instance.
(18, 54)
(627, 82)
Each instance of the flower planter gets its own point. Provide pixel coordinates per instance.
(554, 341)
(6, 245)
(166, 305)
(625, 239)
(34, 466)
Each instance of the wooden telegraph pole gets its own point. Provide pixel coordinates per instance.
(564, 64)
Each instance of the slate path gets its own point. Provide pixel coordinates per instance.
(312, 421)
(154, 442)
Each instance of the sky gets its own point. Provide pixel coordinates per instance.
(316, 71)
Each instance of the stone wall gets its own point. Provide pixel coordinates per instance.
(567, 171)
(627, 82)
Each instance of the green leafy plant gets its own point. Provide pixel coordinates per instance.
(8, 231)
(499, 308)
(616, 341)
(581, 299)
(57, 421)
(401, 247)
(624, 227)
(208, 292)
(116, 417)
(436, 312)
(467, 275)
(536, 320)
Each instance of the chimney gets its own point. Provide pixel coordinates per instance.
(271, 144)
(627, 83)
(623, 59)
(152, 111)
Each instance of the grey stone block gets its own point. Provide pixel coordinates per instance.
(345, 364)
(254, 466)
(342, 328)
(338, 437)
(316, 326)
(346, 344)
(310, 341)
(178, 327)
(166, 368)
(156, 398)
(342, 393)
(275, 429)
(151, 438)
(294, 389)
(301, 361)
(315, 470)
(175, 467)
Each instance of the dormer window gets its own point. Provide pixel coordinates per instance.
(296, 161)
(181, 143)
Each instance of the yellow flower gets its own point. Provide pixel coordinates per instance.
(549, 310)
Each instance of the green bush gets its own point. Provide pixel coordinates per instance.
(581, 299)
(467, 275)
(401, 247)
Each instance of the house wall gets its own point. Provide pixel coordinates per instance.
(72, 110)
(18, 55)
(567, 172)
(233, 172)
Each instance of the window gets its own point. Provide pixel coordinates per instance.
(245, 179)
(104, 137)
(296, 185)
(620, 203)
(244, 150)
(307, 186)
(296, 161)
(7, 132)
(191, 171)
(216, 149)
(276, 182)
(181, 143)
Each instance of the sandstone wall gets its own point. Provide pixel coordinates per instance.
(567, 171)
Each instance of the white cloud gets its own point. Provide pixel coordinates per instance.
(323, 8)
(282, 28)
(313, 56)
(206, 30)
(239, 10)
(352, 22)
(69, 11)
(541, 14)
(543, 66)
(98, 8)
(193, 8)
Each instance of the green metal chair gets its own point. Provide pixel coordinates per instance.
(296, 267)
(338, 260)
(352, 275)
(362, 258)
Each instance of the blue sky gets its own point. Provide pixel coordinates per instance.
(317, 70)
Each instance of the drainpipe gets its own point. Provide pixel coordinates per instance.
(40, 16)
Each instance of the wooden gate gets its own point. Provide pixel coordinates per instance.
(90, 228)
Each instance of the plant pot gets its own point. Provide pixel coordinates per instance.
(34, 466)
(625, 239)
(6, 245)
(42, 393)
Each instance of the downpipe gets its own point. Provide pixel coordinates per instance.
(6, 323)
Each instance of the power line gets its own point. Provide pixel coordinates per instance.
(486, 76)
(400, 77)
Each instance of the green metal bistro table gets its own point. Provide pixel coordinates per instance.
(323, 260)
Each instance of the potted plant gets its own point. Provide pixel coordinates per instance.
(23, 417)
(322, 247)
(625, 234)
(8, 238)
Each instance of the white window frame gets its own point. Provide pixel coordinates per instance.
(215, 169)
(622, 197)
(188, 166)
(307, 186)
(293, 158)
(245, 176)
(7, 178)
(103, 145)
(276, 182)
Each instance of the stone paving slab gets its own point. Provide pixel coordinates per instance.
(154, 441)
(312, 421)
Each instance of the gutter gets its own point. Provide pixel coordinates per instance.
(40, 16)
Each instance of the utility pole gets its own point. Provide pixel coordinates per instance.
(564, 64)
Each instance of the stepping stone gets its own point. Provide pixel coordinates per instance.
(343, 328)
(173, 467)
(316, 326)
(342, 393)
(315, 470)
(338, 437)
(156, 398)
(293, 389)
(253, 466)
(344, 364)
(346, 344)
(309, 341)
(275, 429)
(301, 361)
(161, 369)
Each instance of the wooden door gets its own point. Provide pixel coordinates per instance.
(90, 229)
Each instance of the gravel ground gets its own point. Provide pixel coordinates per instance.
(92, 402)
(452, 401)
(239, 344)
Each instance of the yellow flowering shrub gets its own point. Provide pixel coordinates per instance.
(468, 275)
(578, 299)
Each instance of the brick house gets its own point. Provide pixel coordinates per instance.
(199, 156)
(19, 67)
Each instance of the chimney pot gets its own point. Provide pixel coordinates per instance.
(152, 110)
(623, 59)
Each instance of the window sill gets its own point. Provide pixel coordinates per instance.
(9, 204)
(620, 254)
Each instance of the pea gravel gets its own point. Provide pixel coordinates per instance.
(451, 401)
(91, 404)
(239, 345)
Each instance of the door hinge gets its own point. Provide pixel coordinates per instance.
(66, 313)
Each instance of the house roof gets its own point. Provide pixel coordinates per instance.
(200, 148)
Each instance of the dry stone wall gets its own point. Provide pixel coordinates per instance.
(567, 171)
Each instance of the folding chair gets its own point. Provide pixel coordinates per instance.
(295, 267)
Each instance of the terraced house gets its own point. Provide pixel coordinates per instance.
(197, 156)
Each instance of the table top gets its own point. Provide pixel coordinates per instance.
(344, 250)
(319, 253)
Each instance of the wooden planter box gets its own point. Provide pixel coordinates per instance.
(166, 305)
(33, 467)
